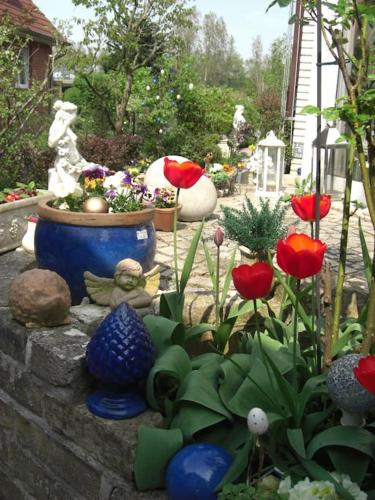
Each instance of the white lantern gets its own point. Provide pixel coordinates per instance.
(271, 153)
(333, 163)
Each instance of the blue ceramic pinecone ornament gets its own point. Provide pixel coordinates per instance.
(121, 352)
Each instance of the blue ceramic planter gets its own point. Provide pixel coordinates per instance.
(76, 243)
(120, 354)
(195, 471)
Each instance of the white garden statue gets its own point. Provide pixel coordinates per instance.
(239, 122)
(63, 176)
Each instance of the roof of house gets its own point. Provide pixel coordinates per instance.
(26, 15)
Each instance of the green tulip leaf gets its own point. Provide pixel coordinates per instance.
(210, 265)
(229, 435)
(350, 437)
(223, 333)
(314, 386)
(354, 464)
(164, 332)
(174, 363)
(239, 464)
(245, 386)
(206, 360)
(197, 330)
(171, 305)
(192, 418)
(201, 388)
(295, 438)
(149, 473)
(189, 260)
(228, 278)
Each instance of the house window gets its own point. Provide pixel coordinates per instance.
(23, 75)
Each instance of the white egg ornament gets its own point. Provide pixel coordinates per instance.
(257, 421)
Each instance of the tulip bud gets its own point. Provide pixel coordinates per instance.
(219, 237)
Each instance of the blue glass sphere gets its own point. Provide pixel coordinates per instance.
(121, 351)
(195, 471)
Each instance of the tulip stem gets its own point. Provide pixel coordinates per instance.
(175, 242)
(257, 326)
(217, 288)
(295, 334)
(313, 338)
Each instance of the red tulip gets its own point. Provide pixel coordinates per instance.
(300, 256)
(365, 373)
(304, 206)
(253, 282)
(182, 175)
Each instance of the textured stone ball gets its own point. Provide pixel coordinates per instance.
(40, 297)
(195, 471)
(344, 389)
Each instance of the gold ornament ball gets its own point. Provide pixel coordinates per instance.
(95, 205)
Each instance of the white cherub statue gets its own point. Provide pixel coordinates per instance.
(63, 176)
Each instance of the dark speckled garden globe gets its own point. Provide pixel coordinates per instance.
(344, 389)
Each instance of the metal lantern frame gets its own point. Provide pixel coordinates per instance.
(327, 140)
(264, 148)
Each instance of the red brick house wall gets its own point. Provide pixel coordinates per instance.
(39, 59)
(31, 21)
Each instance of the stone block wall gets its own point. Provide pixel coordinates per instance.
(51, 447)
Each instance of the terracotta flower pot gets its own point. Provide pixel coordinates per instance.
(163, 218)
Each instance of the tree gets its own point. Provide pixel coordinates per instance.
(218, 61)
(20, 119)
(135, 33)
(356, 110)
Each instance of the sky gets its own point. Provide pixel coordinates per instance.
(245, 19)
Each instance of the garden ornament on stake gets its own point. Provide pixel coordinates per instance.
(129, 284)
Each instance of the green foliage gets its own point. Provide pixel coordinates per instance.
(246, 492)
(256, 229)
(19, 121)
(95, 96)
(137, 33)
(125, 203)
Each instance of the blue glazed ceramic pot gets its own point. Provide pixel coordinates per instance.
(120, 354)
(195, 471)
(71, 243)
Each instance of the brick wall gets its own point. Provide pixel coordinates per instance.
(39, 57)
(51, 447)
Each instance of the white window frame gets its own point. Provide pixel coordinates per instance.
(25, 68)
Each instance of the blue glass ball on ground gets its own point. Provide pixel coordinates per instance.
(120, 354)
(195, 471)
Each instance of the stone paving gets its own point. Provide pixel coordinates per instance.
(330, 232)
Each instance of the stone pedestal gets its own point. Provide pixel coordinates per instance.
(50, 445)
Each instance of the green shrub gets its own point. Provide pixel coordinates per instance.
(113, 152)
(256, 229)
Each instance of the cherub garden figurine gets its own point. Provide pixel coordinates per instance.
(129, 284)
